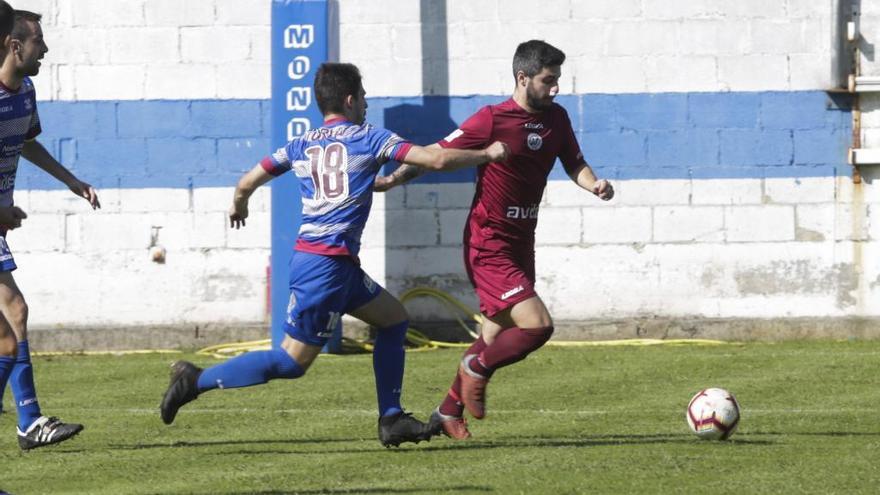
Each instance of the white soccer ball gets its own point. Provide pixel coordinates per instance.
(713, 414)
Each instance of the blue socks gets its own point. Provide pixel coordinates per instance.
(388, 363)
(23, 389)
(4, 377)
(252, 368)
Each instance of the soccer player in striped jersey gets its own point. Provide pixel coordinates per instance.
(336, 166)
(499, 237)
(19, 127)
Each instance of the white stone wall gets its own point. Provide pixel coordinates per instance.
(164, 49)
(717, 247)
(759, 248)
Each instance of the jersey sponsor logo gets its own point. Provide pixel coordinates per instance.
(522, 212)
(7, 182)
(13, 149)
(512, 292)
(534, 141)
(533, 125)
(451, 137)
(5, 108)
(369, 284)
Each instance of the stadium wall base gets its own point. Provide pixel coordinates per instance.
(195, 336)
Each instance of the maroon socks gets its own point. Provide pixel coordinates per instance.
(510, 346)
(452, 405)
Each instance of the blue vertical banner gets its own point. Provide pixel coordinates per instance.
(301, 41)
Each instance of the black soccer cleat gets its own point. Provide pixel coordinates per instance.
(46, 431)
(402, 427)
(183, 388)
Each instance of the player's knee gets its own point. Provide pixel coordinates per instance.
(392, 335)
(8, 345)
(539, 336)
(17, 311)
(285, 366)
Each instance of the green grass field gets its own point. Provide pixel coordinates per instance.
(567, 420)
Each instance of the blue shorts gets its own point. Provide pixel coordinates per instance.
(7, 263)
(322, 289)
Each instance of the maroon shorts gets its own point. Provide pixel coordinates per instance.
(500, 278)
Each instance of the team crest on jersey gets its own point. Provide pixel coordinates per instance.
(28, 105)
(534, 141)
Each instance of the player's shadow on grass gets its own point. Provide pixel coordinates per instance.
(216, 443)
(587, 441)
(518, 442)
(469, 488)
(819, 433)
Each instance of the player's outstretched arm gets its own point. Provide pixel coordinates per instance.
(34, 152)
(434, 157)
(248, 183)
(401, 175)
(11, 217)
(583, 176)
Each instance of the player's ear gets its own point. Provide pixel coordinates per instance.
(349, 101)
(521, 78)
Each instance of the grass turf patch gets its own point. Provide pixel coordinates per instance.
(566, 420)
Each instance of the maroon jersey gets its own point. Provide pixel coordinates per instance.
(504, 212)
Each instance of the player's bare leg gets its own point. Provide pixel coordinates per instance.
(386, 314)
(510, 336)
(8, 349)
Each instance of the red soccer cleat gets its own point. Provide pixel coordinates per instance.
(451, 426)
(473, 388)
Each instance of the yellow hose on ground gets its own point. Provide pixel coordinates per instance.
(421, 342)
(418, 340)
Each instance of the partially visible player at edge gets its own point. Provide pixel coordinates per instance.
(499, 237)
(336, 166)
(23, 48)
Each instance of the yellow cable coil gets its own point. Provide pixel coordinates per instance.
(413, 336)
(422, 342)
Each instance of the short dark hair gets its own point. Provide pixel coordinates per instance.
(532, 56)
(7, 20)
(21, 30)
(333, 82)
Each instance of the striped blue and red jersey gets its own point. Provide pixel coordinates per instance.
(336, 166)
(19, 122)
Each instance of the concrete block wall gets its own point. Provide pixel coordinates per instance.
(729, 158)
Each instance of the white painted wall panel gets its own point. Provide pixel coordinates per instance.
(613, 47)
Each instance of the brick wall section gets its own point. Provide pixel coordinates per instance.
(152, 49)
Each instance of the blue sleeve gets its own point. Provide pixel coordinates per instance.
(280, 161)
(386, 145)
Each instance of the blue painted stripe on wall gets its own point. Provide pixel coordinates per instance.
(200, 143)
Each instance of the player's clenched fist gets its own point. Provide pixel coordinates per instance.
(603, 189)
(497, 152)
(11, 217)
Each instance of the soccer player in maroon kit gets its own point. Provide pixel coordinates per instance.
(499, 237)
